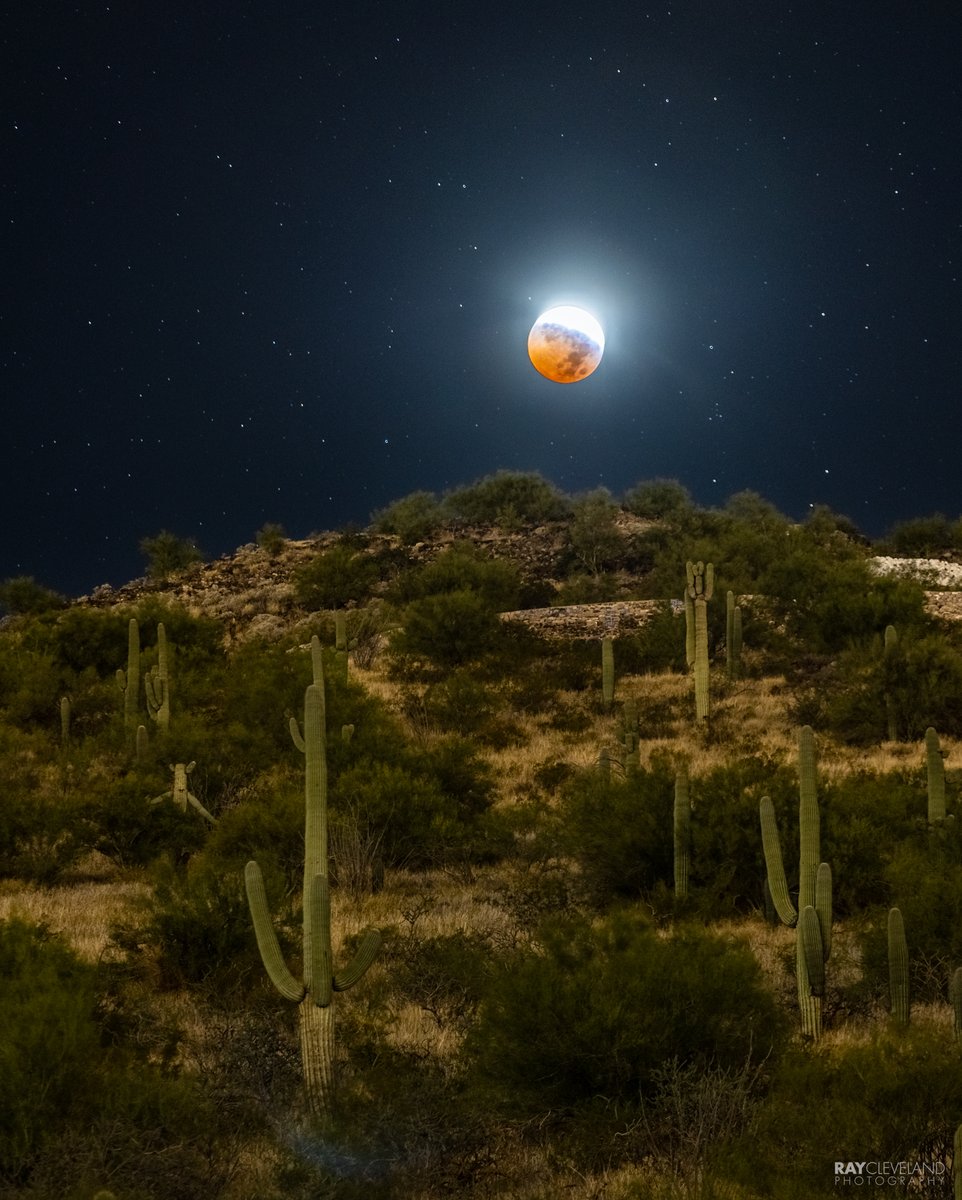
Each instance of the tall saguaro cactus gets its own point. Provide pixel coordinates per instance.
(890, 648)
(935, 772)
(314, 993)
(813, 917)
(701, 584)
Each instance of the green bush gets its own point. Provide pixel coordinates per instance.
(448, 630)
(923, 537)
(594, 537)
(658, 500)
(167, 554)
(23, 595)
(892, 1099)
(462, 567)
(508, 497)
(595, 1010)
(413, 518)
(619, 831)
(271, 538)
(335, 578)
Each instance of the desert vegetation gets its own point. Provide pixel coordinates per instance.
(670, 911)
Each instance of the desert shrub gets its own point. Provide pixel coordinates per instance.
(167, 554)
(892, 1099)
(830, 602)
(594, 537)
(919, 681)
(271, 538)
(658, 646)
(197, 929)
(78, 1106)
(508, 496)
(22, 594)
(922, 537)
(658, 499)
(925, 882)
(51, 1047)
(727, 865)
(335, 578)
(864, 819)
(129, 829)
(31, 683)
(619, 831)
(462, 567)
(443, 974)
(447, 630)
(267, 825)
(585, 589)
(461, 703)
(404, 814)
(596, 1009)
(413, 518)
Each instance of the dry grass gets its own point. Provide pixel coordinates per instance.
(83, 913)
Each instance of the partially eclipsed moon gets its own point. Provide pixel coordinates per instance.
(566, 344)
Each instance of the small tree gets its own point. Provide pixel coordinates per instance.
(167, 554)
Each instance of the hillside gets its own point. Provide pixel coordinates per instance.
(589, 980)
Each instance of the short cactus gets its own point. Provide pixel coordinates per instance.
(889, 652)
(935, 771)
(65, 714)
(898, 968)
(180, 794)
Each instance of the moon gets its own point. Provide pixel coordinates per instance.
(566, 344)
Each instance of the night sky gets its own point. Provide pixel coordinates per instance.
(278, 262)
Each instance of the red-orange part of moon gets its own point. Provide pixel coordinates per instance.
(562, 354)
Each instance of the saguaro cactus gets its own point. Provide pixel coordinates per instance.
(157, 683)
(340, 644)
(701, 584)
(813, 917)
(180, 793)
(898, 967)
(129, 680)
(935, 770)
(65, 710)
(733, 636)
(607, 671)
(314, 993)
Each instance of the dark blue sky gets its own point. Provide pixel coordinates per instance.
(278, 262)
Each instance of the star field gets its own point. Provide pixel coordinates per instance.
(279, 263)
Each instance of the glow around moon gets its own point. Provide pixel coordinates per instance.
(566, 344)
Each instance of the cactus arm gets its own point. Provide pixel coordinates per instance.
(195, 803)
(809, 930)
(267, 942)
(296, 735)
(774, 866)
(355, 969)
(823, 907)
